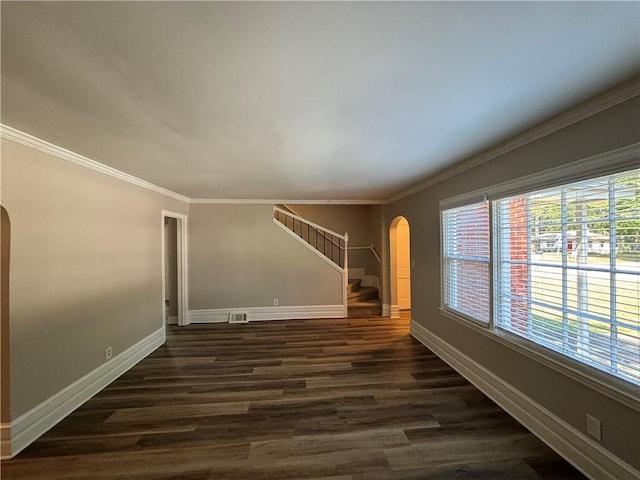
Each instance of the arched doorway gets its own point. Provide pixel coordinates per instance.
(5, 385)
(400, 257)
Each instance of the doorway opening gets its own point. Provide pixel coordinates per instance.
(401, 263)
(174, 269)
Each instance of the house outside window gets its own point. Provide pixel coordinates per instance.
(580, 298)
(565, 269)
(466, 260)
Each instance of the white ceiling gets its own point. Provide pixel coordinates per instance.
(302, 100)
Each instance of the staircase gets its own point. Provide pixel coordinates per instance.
(331, 245)
(362, 301)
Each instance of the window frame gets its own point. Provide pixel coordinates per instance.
(446, 206)
(608, 163)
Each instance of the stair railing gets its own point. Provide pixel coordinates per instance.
(369, 248)
(330, 244)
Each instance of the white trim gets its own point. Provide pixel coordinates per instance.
(605, 163)
(386, 310)
(23, 138)
(182, 228)
(314, 225)
(585, 454)
(395, 311)
(590, 167)
(308, 246)
(183, 271)
(611, 387)
(290, 209)
(345, 278)
(5, 441)
(600, 164)
(31, 425)
(254, 314)
(343, 270)
(463, 200)
(570, 117)
(213, 315)
(602, 102)
(283, 201)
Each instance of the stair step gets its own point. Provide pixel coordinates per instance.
(353, 285)
(364, 293)
(371, 308)
(366, 303)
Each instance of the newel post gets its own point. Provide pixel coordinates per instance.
(346, 250)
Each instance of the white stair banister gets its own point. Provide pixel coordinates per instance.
(330, 244)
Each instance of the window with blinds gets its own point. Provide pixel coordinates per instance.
(465, 248)
(567, 270)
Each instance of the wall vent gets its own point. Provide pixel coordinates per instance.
(238, 318)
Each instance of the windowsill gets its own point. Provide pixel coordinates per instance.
(614, 388)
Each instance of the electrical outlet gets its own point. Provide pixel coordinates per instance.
(275, 302)
(594, 427)
(109, 353)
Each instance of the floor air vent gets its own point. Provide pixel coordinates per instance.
(238, 318)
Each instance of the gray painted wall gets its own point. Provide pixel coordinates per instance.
(85, 269)
(239, 258)
(354, 219)
(568, 399)
(361, 222)
(377, 228)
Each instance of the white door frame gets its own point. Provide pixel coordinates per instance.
(183, 277)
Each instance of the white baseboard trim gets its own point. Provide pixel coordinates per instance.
(172, 320)
(5, 441)
(588, 456)
(213, 315)
(254, 314)
(390, 311)
(31, 425)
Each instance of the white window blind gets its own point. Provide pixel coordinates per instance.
(466, 247)
(567, 270)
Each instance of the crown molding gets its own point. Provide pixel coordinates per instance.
(605, 163)
(278, 201)
(23, 138)
(585, 110)
(596, 105)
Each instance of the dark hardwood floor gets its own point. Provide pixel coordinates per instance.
(343, 399)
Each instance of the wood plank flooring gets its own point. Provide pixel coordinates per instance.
(346, 399)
